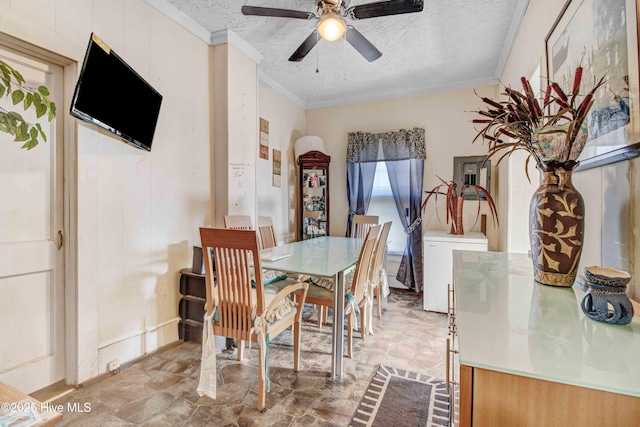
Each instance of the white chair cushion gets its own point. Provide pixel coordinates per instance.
(319, 292)
(327, 283)
(283, 310)
(284, 307)
(268, 276)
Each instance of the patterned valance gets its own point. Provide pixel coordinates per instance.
(384, 146)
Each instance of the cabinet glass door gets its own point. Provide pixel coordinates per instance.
(314, 201)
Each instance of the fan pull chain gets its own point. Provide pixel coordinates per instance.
(317, 51)
(344, 55)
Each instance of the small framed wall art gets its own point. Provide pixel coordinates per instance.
(277, 168)
(264, 139)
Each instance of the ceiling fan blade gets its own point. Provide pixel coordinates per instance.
(384, 8)
(279, 13)
(305, 47)
(362, 45)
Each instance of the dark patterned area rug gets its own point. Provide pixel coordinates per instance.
(396, 397)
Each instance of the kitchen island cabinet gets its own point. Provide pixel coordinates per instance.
(528, 356)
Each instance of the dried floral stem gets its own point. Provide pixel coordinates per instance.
(455, 202)
(522, 115)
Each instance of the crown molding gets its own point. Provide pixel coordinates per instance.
(266, 79)
(213, 39)
(228, 36)
(180, 18)
(391, 94)
(518, 16)
(221, 37)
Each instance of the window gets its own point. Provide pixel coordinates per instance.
(383, 205)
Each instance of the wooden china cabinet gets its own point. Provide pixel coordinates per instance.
(314, 194)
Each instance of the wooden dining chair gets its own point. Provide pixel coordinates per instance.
(323, 297)
(376, 266)
(242, 311)
(238, 222)
(361, 224)
(267, 232)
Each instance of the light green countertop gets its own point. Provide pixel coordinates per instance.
(509, 323)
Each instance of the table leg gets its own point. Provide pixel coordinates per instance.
(338, 327)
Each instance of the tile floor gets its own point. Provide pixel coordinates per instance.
(160, 390)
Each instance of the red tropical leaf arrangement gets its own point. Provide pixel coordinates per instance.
(455, 203)
(511, 124)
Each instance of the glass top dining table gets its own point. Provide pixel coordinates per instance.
(323, 256)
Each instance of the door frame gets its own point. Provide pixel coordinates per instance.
(70, 196)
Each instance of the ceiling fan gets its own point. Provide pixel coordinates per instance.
(331, 22)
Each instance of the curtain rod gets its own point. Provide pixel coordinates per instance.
(387, 131)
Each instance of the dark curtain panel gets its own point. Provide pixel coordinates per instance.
(404, 153)
(405, 177)
(359, 187)
(362, 153)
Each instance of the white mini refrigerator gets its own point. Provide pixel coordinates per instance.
(438, 264)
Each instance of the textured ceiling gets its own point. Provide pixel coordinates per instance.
(450, 44)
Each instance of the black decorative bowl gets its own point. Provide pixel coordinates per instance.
(606, 299)
(605, 276)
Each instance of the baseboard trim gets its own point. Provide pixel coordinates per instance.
(128, 364)
(137, 343)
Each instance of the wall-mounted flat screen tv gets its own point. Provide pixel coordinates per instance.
(110, 94)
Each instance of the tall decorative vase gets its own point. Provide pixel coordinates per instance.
(556, 226)
(456, 215)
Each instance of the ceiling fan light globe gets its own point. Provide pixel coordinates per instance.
(331, 27)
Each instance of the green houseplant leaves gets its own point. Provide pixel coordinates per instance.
(12, 85)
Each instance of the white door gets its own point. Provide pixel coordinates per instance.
(32, 347)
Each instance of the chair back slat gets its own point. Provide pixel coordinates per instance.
(361, 224)
(361, 273)
(232, 297)
(378, 253)
(234, 252)
(267, 232)
(238, 222)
